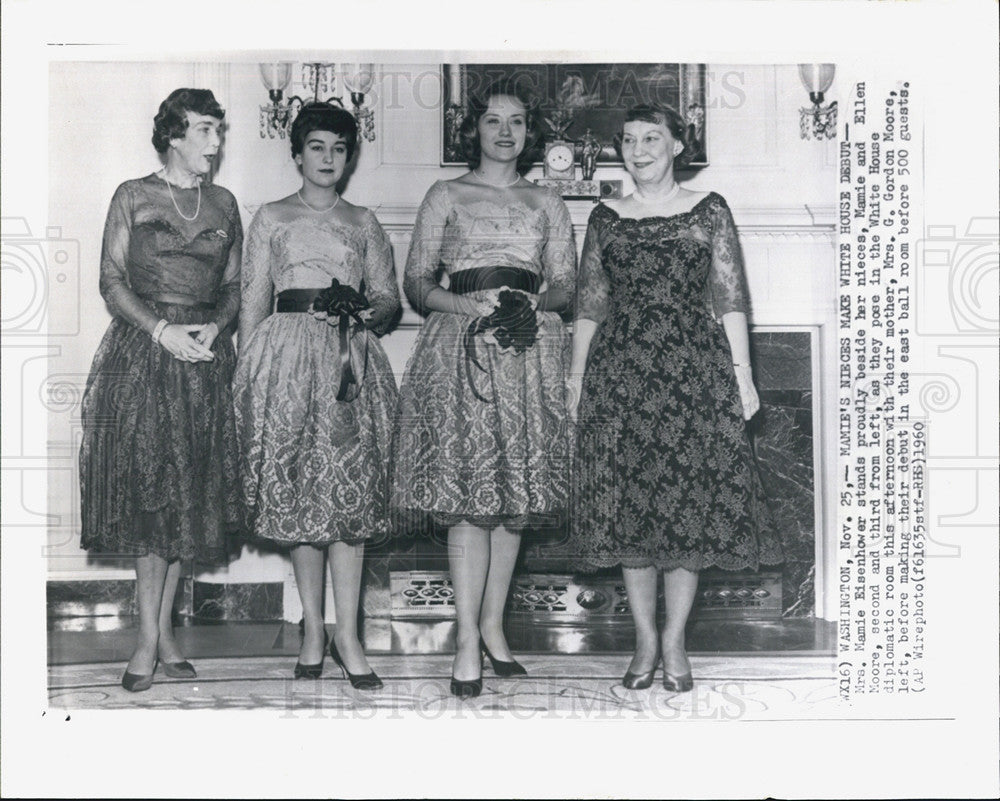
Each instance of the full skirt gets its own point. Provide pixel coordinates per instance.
(502, 461)
(158, 455)
(313, 469)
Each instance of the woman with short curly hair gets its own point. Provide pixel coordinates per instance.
(158, 457)
(665, 479)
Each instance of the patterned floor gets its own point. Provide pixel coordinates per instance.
(565, 686)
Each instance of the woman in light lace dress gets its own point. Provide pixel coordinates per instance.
(314, 391)
(482, 435)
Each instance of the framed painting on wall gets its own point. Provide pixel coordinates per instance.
(577, 98)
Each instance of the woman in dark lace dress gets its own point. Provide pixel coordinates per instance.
(482, 434)
(315, 397)
(158, 458)
(665, 478)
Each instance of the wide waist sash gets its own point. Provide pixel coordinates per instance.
(301, 300)
(477, 278)
(296, 300)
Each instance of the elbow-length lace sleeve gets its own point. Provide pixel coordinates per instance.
(380, 277)
(593, 287)
(559, 257)
(114, 283)
(227, 302)
(255, 282)
(727, 279)
(421, 274)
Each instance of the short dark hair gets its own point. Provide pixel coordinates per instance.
(468, 133)
(661, 114)
(324, 117)
(171, 120)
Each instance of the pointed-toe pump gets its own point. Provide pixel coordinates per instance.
(638, 681)
(501, 668)
(138, 682)
(678, 684)
(466, 688)
(359, 681)
(314, 671)
(179, 670)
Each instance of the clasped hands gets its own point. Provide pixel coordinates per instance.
(365, 315)
(190, 342)
(490, 300)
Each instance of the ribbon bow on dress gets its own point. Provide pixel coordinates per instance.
(346, 303)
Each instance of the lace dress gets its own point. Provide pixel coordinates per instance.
(665, 474)
(158, 455)
(458, 458)
(313, 469)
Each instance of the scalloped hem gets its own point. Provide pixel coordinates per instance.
(518, 523)
(284, 543)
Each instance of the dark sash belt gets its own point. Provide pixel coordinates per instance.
(477, 278)
(177, 300)
(301, 300)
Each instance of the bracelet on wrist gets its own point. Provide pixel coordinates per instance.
(158, 331)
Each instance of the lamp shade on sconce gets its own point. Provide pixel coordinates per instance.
(276, 76)
(358, 78)
(817, 79)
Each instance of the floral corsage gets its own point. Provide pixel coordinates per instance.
(512, 326)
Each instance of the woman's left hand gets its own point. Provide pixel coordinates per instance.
(748, 392)
(207, 335)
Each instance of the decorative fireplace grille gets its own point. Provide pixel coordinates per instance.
(570, 599)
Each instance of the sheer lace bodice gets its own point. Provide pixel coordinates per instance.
(718, 279)
(306, 252)
(453, 235)
(149, 249)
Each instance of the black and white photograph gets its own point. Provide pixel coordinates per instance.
(637, 397)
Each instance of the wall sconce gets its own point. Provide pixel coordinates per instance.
(358, 80)
(276, 117)
(819, 121)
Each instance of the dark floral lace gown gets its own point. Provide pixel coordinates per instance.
(313, 469)
(665, 475)
(158, 456)
(456, 457)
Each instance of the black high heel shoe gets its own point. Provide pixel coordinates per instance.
(314, 671)
(138, 682)
(501, 668)
(470, 688)
(359, 681)
(466, 689)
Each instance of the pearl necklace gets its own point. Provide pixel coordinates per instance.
(173, 200)
(321, 211)
(477, 176)
(659, 200)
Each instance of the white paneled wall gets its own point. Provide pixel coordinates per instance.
(779, 187)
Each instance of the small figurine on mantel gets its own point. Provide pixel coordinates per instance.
(588, 155)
